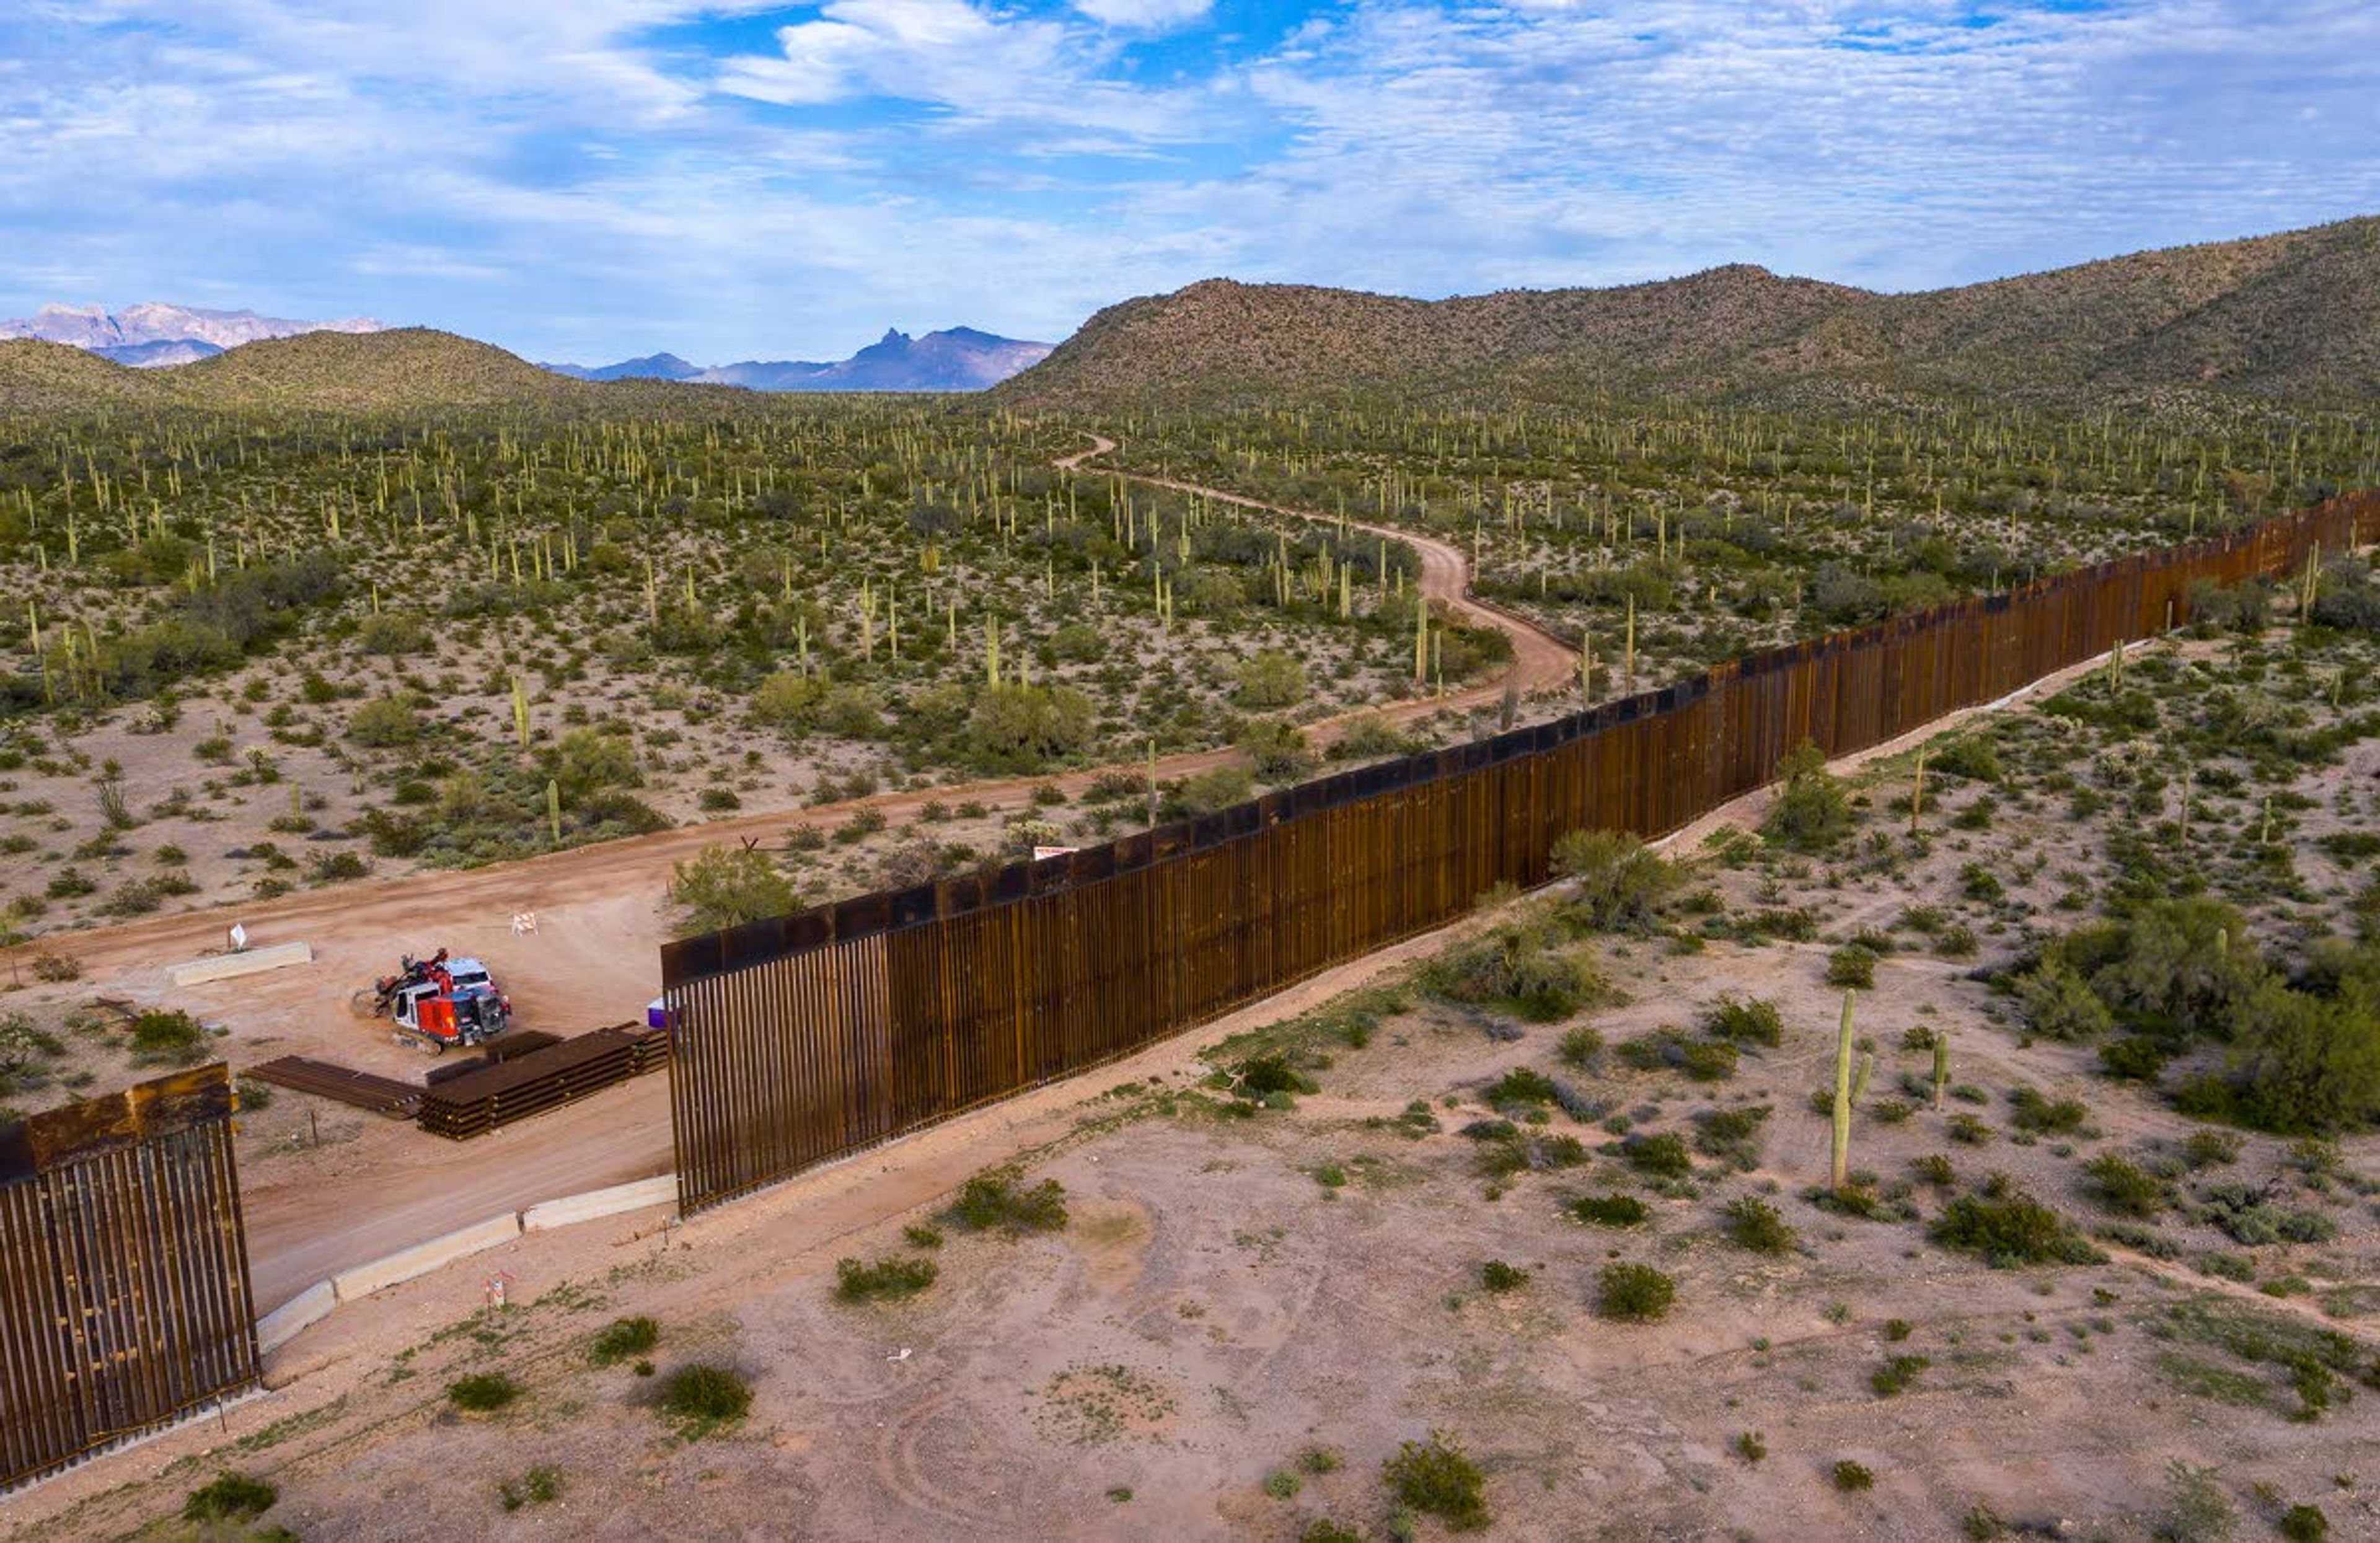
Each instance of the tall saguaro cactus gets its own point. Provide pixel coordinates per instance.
(1840, 1172)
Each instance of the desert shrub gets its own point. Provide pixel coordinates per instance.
(999, 1199)
(725, 886)
(1519, 1086)
(1751, 1446)
(384, 722)
(1217, 788)
(1897, 1375)
(1754, 1224)
(2301, 1064)
(2305, 1524)
(1276, 749)
(1579, 1046)
(482, 1393)
(1707, 1060)
(1284, 1484)
(2247, 1216)
(586, 761)
(2210, 1148)
(2011, 1228)
(2196, 1508)
(1975, 757)
(541, 1486)
(2134, 1058)
(1934, 1169)
(1731, 1134)
(1609, 1210)
(229, 1498)
(2058, 1004)
(392, 635)
(1851, 1477)
(1520, 965)
(1636, 1294)
(1617, 882)
(1496, 1275)
(168, 1035)
(1021, 729)
(2042, 1114)
(1270, 678)
(1663, 1156)
(1324, 1530)
(1812, 808)
(622, 1338)
(1261, 1077)
(1853, 964)
(1744, 1020)
(886, 1279)
(2124, 1186)
(705, 1396)
(1437, 1478)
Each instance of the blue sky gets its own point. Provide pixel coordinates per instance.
(588, 180)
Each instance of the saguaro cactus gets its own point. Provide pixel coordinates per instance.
(1941, 1067)
(1838, 1175)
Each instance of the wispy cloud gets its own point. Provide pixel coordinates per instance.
(592, 178)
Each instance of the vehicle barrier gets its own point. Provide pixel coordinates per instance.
(125, 1300)
(800, 1038)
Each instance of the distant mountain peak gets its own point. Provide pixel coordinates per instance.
(957, 358)
(154, 333)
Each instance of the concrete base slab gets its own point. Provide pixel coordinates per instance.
(599, 1203)
(302, 1311)
(423, 1257)
(229, 966)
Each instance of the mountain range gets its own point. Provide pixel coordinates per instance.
(2295, 315)
(957, 358)
(2293, 318)
(152, 334)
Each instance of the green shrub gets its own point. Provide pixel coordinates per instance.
(2036, 1111)
(2058, 1004)
(1283, 1483)
(1616, 880)
(482, 1393)
(1707, 1060)
(229, 1498)
(624, 1338)
(1520, 964)
(168, 1035)
(723, 886)
(1851, 1477)
(1751, 1446)
(1324, 1530)
(540, 1485)
(1663, 1156)
(1000, 1199)
(2010, 1227)
(1579, 1046)
(2124, 1186)
(2304, 1523)
(1812, 810)
(1754, 1224)
(1496, 1275)
(706, 1396)
(1609, 1210)
(1437, 1478)
(1270, 678)
(1732, 1135)
(1636, 1294)
(384, 723)
(1744, 1020)
(1897, 1375)
(1853, 964)
(885, 1281)
(1521, 1087)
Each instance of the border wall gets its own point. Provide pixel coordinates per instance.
(125, 1299)
(799, 1040)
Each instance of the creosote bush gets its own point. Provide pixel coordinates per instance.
(2009, 1227)
(1618, 883)
(1498, 1276)
(624, 1338)
(705, 1396)
(1000, 1200)
(1609, 1210)
(1437, 1478)
(229, 1498)
(725, 886)
(1634, 1293)
(885, 1281)
(482, 1393)
(1751, 1222)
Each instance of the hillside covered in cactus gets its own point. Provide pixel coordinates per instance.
(2291, 317)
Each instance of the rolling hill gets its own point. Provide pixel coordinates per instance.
(2295, 315)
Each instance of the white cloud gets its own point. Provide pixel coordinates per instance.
(1148, 16)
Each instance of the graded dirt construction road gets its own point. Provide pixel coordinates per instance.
(372, 1186)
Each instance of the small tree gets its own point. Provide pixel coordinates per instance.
(725, 886)
(1617, 881)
